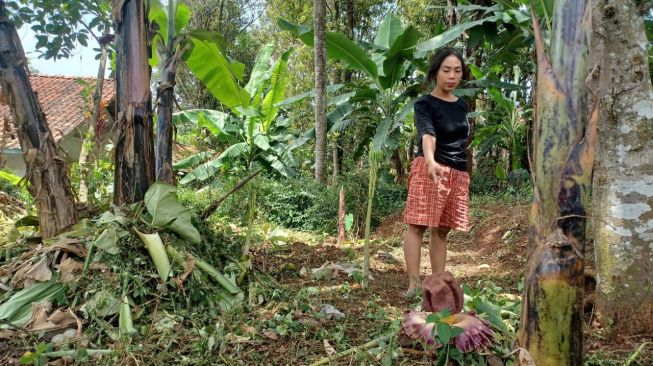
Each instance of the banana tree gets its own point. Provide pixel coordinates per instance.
(258, 139)
(203, 52)
(563, 158)
(505, 129)
(48, 176)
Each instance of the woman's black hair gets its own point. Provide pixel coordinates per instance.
(437, 59)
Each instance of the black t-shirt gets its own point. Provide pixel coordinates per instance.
(447, 121)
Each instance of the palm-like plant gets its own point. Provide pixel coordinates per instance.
(258, 139)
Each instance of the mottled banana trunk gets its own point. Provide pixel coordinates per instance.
(623, 175)
(165, 92)
(563, 156)
(46, 170)
(134, 149)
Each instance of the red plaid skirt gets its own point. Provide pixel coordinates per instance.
(444, 203)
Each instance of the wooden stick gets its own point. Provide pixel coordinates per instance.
(214, 206)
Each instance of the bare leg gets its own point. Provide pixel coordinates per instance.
(412, 253)
(438, 248)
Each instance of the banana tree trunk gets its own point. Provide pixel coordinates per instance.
(623, 176)
(134, 151)
(89, 138)
(47, 173)
(552, 328)
(165, 92)
(166, 99)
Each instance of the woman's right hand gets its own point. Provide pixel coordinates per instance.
(435, 170)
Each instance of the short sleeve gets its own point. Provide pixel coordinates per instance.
(423, 119)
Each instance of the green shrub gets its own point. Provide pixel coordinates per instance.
(518, 183)
(306, 205)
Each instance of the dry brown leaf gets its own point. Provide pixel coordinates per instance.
(248, 330)
(330, 351)
(64, 319)
(40, 321)
(271, 335)
(68, 267)
(68, 245)
(7, 334)
(40, 271)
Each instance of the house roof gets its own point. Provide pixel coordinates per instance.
(62, 102)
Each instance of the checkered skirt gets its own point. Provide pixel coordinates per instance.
(441, 203)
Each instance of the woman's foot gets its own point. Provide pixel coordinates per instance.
(412, 293)
(414, 288)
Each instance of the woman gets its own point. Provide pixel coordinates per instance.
(438, 192)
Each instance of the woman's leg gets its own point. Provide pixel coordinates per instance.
(412, 253)
(438, 248)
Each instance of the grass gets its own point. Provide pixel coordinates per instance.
(283, 318)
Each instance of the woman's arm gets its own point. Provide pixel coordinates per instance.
(432, 167)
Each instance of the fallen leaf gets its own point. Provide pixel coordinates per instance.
(330, 351)
(69, 245)
(330, 312)
(67, 269)
(7, 334)
(271, 335)
(248, 330)
(303, 272)
(39, 319)
(40, 271)
(58, 320)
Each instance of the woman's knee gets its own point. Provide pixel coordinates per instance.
(440, 232)
(416, 229)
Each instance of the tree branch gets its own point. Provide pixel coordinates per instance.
(214, 206)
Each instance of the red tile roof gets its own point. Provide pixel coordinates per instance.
(62, 102)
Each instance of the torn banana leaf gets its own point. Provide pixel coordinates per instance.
(18, 308)
(157, 252)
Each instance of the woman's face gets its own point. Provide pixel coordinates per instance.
(450, 73)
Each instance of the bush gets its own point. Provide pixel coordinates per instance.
(306, 205)
(518, 183)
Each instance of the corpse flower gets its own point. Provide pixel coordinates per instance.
(475, 336)
(442, 292)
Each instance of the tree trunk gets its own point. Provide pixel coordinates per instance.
(319, 14)
(165, 92)
(623, 178)
(399, 167)
(551, 321)
(47, 173)
(342, 236)
(452, 18)
(134, 151)
(89, 138)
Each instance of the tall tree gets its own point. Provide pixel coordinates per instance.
(134, 151)
(563, 156)
(319, 16)
(48, 176)
(623, 178)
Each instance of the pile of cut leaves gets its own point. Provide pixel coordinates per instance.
(127, 273)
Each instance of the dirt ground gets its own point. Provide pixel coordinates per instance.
(493, 250)
(284, 326)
